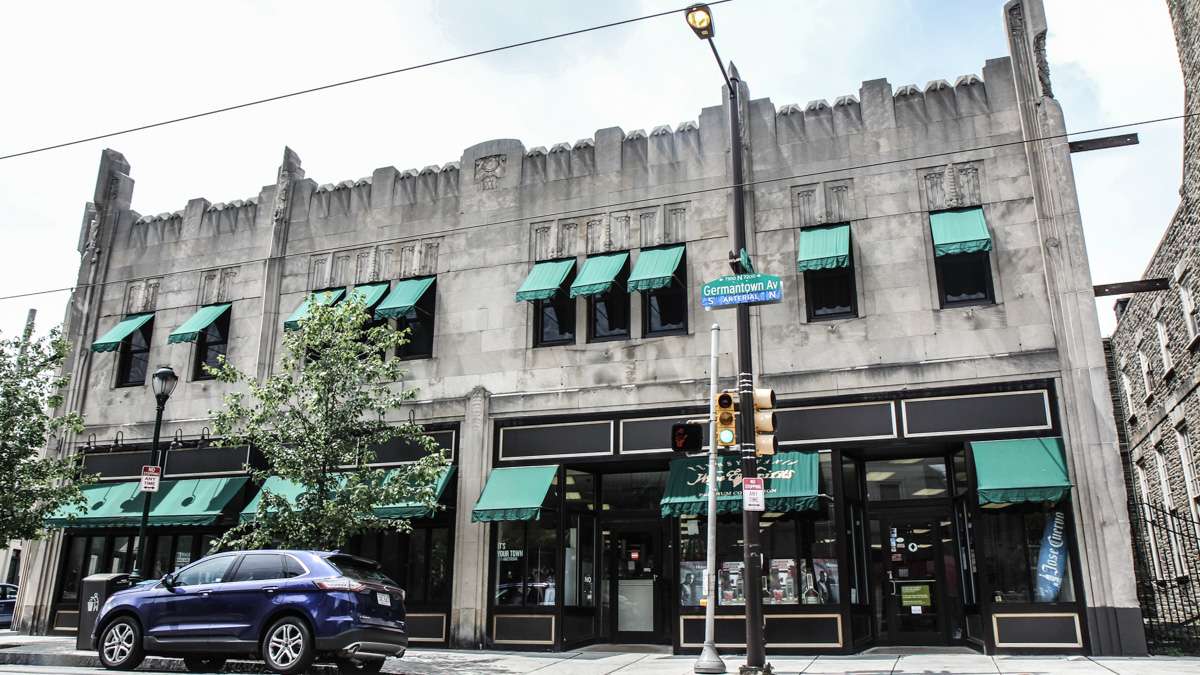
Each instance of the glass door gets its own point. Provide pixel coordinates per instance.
(636, 560)
(913, 579)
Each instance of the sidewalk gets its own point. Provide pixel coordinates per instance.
(57, 651)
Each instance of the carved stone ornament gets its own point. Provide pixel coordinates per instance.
(489, 170)
(92, 248)
(1043, 66)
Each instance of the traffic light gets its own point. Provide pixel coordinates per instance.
(687, 437)
(764, 422)
(726, 413)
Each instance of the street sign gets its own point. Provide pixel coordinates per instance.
(150, 476)
(753, 495)
(741, 289)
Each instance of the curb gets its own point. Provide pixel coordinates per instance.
(163, 663)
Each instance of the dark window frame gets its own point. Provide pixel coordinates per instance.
(127, 354)
(984, 258)
(204, 343)
(563, 296)
(678, 286)
(814, 277)
(618, 291)
(424, 312)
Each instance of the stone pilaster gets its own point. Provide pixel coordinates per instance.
(1089, 429)
(469, 599)
(276, 207)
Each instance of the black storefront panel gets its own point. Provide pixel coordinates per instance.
(119, 464)
(210, 461)
(424, 627)
(523, 629)
(399, 449)
(843, 422)
(1056, 631)
(557, 441)
(644, 436)
(977, 413)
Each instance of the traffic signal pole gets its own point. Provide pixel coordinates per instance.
(756, 658)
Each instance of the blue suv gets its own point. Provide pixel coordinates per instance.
(287, 607)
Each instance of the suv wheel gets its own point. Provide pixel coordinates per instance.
(203, 664)
(287, 647)
(121, 645)
(359, 667)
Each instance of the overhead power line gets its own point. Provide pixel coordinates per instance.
(355, 80)
(658, 198)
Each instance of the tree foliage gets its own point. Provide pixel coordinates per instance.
(317, 420)
(35, 486)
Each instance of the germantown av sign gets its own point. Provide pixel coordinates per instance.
(741, 289)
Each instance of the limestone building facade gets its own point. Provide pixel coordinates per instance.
(938, 326)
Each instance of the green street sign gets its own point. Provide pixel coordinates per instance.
(741, 289)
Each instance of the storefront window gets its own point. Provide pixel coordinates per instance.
(915, 478)
(526, 563)
(1027, 556)
(579, 560)
(580, 489)
(959, 461)
(633, 491)
(73, 569)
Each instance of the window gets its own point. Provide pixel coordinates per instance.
(1139, 470)
(1190, 318)
(1144, 363)
(965, 279)
(554, 319)
(1191, 472)
(608, 312)
(259, 566)
(916, 478)
(526, 563)
(1164, 487)
(210, 571)
(830, 294)
(664, 310)
(1164, 347)
(1127, 389)
(418, 320)
(1016, 537)
(292, 567)
(211, 345)
(134, 359)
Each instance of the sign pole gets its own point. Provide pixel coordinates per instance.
(709, 660)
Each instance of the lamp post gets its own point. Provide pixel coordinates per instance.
(699, 18)
(163, 383)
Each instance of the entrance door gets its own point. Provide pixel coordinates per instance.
(635, 567)
(913, 579)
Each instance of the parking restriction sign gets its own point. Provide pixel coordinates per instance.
(753, 495)
(150, 476)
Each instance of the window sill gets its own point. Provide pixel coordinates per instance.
(613, 338)
(666, 333)
(967, 304)
(421, 357)
(564, 343)
(129, 385)
(834, 317)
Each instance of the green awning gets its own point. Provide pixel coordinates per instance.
(290, 491)
(544, 279)
(1021, 470)
(514, 493)
(959, 231)
(655, 268)
(403, 297)
(598, 274)
(320, 298)
(111, 341)
(791, 484)
(824, 248)
(185, 501)
(370, 294)
(202, 319)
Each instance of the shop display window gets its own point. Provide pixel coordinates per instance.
(579, 559)
(526, 573)
(915, 478)
(1027, 556)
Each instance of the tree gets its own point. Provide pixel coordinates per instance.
(317, 420)
(31, 388)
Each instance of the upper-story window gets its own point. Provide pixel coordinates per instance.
(661, 276)
(826, 261)
(602, 279)
(130, 338)
(1164, 347)
(1191, 473)
(961, 247)
(1191, 314)
(413, 303)
(1144, 366)
(212, 344)
(553, 308)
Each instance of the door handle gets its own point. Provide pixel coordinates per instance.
(270, 589)
(205, 593)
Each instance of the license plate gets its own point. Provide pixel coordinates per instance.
(383, 599)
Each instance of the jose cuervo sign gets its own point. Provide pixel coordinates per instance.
(741, 289)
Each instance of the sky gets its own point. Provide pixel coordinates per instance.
(79, 68)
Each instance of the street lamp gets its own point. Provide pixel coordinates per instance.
(700, 20)
(163, 384)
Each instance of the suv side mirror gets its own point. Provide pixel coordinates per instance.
(168, 581)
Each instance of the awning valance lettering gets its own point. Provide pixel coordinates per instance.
(514, 493)
(184, 501)
(403, 297)
(655, 268)
(544, 280)
(598, 274)
(824, 248)
(791, 481)
(330, 297)
(111, 341)
(204, 317)
(959, 231)
(1021, 470)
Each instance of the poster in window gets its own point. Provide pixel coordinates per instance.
(693, 590)
(782, 583)
(825, 571)
(732, 584)
(1052, 558)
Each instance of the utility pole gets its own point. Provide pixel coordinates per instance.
(710, 661)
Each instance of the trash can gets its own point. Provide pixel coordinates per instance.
(92, 594)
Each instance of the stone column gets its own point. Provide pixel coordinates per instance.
(279, 212)
(1114, 619)
(468, 613)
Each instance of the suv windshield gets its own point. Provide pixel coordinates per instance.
(360, 570)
